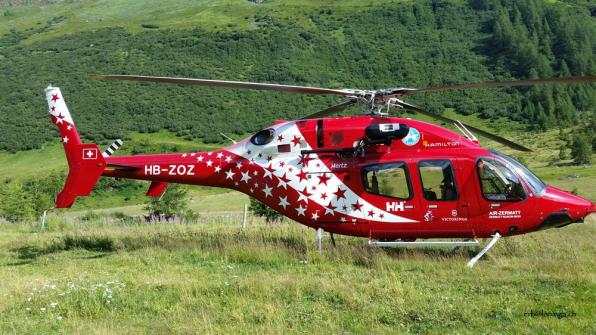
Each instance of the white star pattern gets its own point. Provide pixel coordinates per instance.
(217, 169)
(283, 202)
(229, 174)
(245, 177)
(267, 174)
(328, 211)
(267, 190)
(209, 163)
(300, 210)
(200, 159)
(65, 139)
(219, 155)
(282, 183)
(315, 216)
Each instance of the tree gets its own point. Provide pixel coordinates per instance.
(260, 209)
(172, 204)
(581, 149)
(15, 204)
(563, 152)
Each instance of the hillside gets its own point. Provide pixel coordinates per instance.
(332, 44)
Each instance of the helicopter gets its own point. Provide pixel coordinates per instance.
(390, 179)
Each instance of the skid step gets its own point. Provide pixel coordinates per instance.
(423, 244)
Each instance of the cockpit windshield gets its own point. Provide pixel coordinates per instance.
(536, 185)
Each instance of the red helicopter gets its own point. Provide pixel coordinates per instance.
(393, 180)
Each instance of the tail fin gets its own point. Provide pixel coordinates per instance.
(85, 161)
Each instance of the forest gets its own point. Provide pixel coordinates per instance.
(394, 44)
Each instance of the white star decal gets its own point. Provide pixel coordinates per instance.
(59, 120)
(200, 159)
(300, 210)
(267, 191)
(302, 197)
(328, 211)
(239, 165)
(65, 139)
(283, 202)
(183, 155)
(69, 127)
(217, 169)
(343, 219)
(229, 174)
(268, 174)
(219, 155)
(228, 159)
(282, 183)
(192, 154)
(315, 216)
(209, 163)
(245, 177)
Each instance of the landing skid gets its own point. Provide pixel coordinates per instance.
(422, 244)
(425, 244)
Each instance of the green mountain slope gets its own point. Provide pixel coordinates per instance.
(335, 44)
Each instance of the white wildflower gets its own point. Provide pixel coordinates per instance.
(53, 304)
(58, 318)
(43, 309)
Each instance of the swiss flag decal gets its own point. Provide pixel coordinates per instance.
(90, 153)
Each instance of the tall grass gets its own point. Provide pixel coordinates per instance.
(100, 277)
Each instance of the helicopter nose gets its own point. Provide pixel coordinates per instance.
(564, 208)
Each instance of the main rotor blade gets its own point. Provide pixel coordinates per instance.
(331, 110)
(478, 131)
(230, 84)
(508, 83)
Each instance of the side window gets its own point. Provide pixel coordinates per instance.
(498, 182)
(389, 180)
(438, 180)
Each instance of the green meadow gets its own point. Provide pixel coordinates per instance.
(115, 278)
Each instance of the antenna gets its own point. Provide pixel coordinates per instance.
(228, 137)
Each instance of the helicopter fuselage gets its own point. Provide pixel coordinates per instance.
(372, 176)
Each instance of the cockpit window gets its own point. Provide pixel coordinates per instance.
(498, 182)
(263, 137)
(536, 185)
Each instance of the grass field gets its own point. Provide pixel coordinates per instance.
(97, 278)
